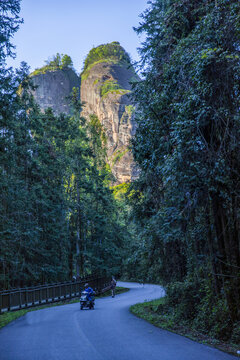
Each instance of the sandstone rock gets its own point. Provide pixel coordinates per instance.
(53, 88)
(105, 90)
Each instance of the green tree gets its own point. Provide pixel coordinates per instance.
(66, 61)
(187, 146)
(57, 213)
(60, 61)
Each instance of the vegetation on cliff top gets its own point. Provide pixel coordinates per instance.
(113, 51)
(58, 62)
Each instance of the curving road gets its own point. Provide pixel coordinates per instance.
(110, 332)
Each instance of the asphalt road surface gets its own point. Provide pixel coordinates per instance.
(110, 332)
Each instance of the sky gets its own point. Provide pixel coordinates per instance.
(74, 27)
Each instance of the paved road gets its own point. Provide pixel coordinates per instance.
(110, 332)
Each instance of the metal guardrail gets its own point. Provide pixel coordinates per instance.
(16, 299)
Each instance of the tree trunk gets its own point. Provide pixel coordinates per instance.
(223, 236)
(210, 241)
(79, 247)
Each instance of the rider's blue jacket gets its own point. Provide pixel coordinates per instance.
(89, 290)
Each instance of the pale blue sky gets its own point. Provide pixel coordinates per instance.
(73, 27)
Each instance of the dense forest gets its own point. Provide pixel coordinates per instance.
(58, 216)
(178, 224)
(186, 202)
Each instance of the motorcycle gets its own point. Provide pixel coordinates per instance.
(85, 302)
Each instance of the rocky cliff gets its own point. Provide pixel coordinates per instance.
(53, 88)
(105, 89)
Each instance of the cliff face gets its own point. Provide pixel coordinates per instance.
(53, 87)
(105, 90)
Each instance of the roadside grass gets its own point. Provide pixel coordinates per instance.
(155, 313)
(10, 316)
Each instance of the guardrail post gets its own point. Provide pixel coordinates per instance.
(9, 302)
(26, 304)
(33, 299)
(53, 293)
(20, 299)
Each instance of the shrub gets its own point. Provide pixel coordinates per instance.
(193, 303)
(212, 316)
(112, 51)
(236, 333)
(109, 85)
(185, 297)
(58, 61)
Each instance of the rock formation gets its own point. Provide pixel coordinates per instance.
(53, 88)
(105, 90)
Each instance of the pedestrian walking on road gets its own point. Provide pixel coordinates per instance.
(113, 286)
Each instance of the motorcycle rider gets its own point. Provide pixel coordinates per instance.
(89, 291)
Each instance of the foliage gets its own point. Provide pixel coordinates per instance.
(158, 313)
(113, 51)
(9, 24)
(130, 109)
(32, 194)
(117, 92)
(117, 155)
(56, 183)
(58, 62)
(128, 113)
(108, 86)
(98, 139)
(58, 216)
(185, 202)
(119, 191)
(112, 87)
(96, 81)
(11, 316)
